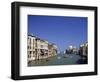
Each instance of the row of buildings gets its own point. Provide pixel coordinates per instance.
(39, 49)
(72, 50)
(83, 50)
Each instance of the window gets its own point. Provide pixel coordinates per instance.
(30, 52)
(41, 46)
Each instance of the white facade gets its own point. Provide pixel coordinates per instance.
(31, 47)
(39, 49)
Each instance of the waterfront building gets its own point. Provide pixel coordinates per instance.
(52, 50)
(75, 50)
(31, 46)
(38, 48)
(41, 49)
(83, 51)
(71, 50)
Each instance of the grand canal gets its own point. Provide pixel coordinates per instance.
(60, 59)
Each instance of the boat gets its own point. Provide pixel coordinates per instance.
(65, 56)
(59, 57)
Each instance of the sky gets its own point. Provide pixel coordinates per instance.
(60, 30)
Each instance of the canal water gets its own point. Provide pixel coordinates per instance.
(60, 59)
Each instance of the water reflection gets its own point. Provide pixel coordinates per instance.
(59, 60)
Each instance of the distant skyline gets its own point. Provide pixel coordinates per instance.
(60, 30)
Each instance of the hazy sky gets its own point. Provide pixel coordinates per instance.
(61, 30)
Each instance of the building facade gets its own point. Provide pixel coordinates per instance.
(31, 47)
(39, 49)
(71, 50)
(83, 51)
(52, 50)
